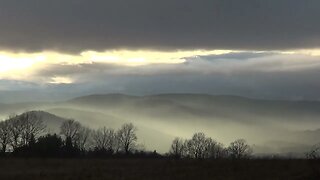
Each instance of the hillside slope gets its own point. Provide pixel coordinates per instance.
(163, 117)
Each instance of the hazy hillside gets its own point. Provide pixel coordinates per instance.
(207, 106)
(52, 121)
(160, 118)
(88, 118)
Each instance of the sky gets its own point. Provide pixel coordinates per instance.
(51, 50)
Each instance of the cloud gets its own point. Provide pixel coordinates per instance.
(21, 66)
(11, 85)
(260, 75)
(78, 25)
(237, 56)
(230, 63)
(271, 74)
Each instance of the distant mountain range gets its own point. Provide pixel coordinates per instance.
(160, 118)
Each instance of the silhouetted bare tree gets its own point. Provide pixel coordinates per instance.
(70, 129)
(4, 135)
(83, 138)
(78, 134)
(197, 146)
(216, 150)
(104, 139)
(32, 126)
(178, 148)
(239, 149)
(127, 137)
(16, 127)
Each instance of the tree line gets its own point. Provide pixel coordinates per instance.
(25, 135)
(202, 147)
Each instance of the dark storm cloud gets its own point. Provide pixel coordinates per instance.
(77, 25)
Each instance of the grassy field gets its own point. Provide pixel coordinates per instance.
(140, 169)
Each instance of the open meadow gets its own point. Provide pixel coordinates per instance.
(139, 169)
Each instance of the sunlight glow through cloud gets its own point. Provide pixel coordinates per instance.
(11, 62)
(21, 66)
(61, 80)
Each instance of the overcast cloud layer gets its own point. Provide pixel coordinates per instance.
(267, 75)
(78, 25)
(84, 47)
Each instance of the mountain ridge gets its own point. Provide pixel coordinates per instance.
(171, 115)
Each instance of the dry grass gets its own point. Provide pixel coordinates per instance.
(140, 169)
